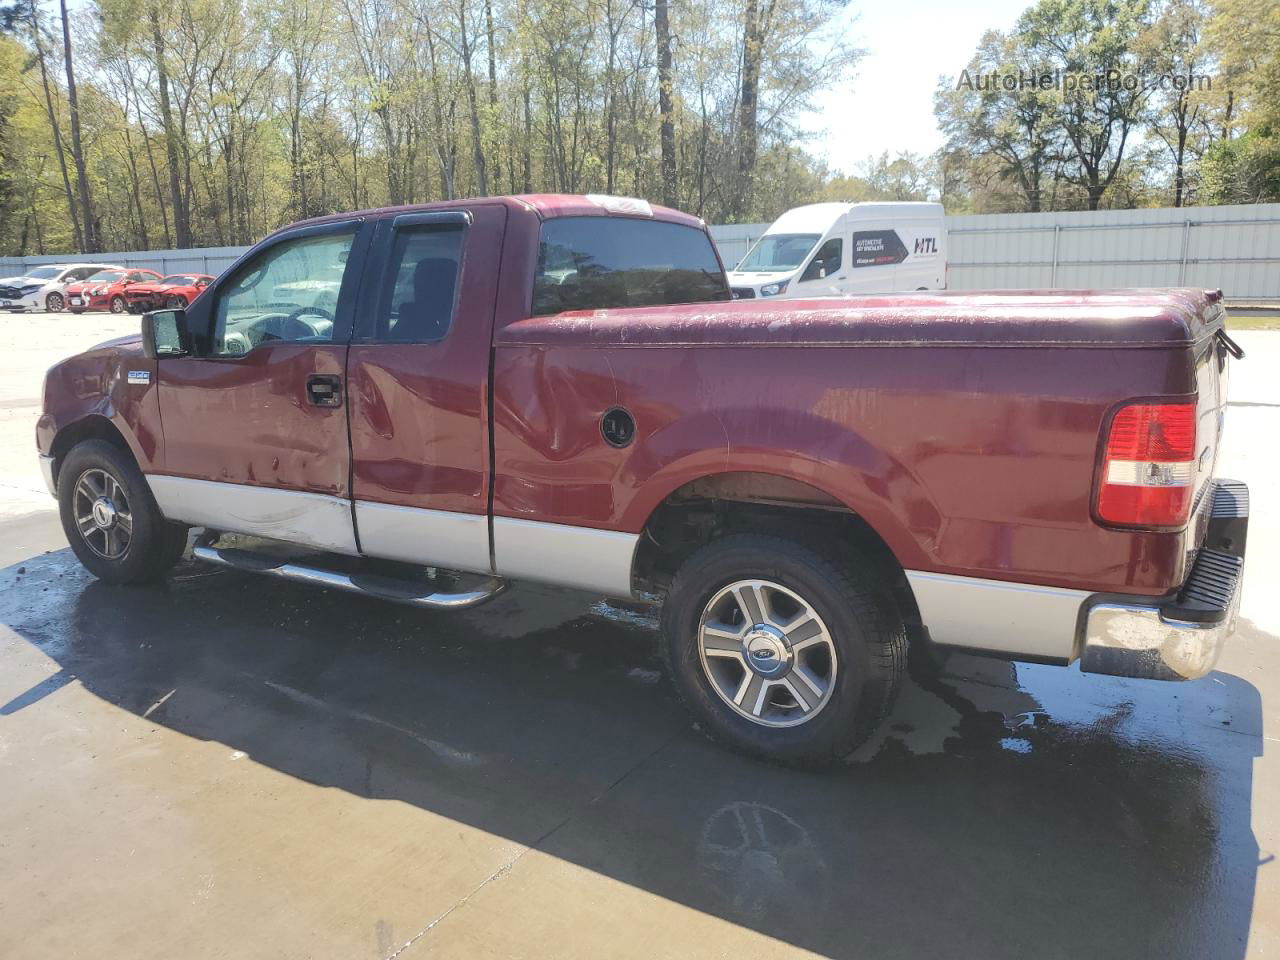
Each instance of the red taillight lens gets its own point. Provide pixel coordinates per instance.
(1148, 469)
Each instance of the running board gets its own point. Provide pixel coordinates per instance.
(369, 585)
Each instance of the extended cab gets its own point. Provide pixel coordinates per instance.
(556, 389)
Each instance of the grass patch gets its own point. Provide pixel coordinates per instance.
(1256, 322)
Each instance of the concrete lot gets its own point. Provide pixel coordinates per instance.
(231, 767)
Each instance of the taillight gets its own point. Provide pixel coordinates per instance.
(1149, 467)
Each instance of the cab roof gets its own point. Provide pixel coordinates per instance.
(545, 205)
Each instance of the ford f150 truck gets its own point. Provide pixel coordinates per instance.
(558, 389)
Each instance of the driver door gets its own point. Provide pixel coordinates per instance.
(255, 425)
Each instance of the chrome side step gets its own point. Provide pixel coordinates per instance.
(369, 585)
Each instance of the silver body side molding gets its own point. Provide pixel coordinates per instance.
(1021, 619)
(439, 538)
(580, 557)
(290, 515)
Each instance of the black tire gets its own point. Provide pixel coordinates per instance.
(865, 627)
(54, 303)
(154, 544)
(118, 305)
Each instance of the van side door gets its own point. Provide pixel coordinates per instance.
(825, 272)
(418, 376)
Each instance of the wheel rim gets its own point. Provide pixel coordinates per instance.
(102, 514)
(176, 302)
(117, 305)
(767, 653)
(55, 303)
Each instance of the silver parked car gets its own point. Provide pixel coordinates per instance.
(44, 287)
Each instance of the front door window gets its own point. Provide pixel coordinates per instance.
(288, 293)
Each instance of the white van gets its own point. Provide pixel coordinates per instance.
(837, 249)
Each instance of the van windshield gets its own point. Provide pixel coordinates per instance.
(778, 251)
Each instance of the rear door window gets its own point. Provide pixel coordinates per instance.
(425, 263)
(597, 263)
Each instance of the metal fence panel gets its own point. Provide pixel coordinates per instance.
(1234, 248)
(210, 260)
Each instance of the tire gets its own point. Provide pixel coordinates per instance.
(117, 304)
(54, 303)
(175, 302)
(112, 552)
(858, 661)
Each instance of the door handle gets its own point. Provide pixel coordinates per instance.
(324, 389)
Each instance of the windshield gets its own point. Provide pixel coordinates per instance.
(778, 251)
(44, 273)
(105, 276)
(180, 280)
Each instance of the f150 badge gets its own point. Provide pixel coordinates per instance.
(140, 376)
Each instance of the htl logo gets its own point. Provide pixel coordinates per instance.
(926, 245)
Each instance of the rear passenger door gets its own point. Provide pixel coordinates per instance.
(418, 382)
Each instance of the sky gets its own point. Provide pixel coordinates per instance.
(888, 102)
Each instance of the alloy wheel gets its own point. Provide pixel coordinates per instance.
(767, 653)
(102, 514)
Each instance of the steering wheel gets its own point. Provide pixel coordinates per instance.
(297, 315)
(291, 326)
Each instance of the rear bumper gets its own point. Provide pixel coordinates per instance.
(1178, 637)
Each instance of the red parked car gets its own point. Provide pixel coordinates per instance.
(175, 290)
(106, 289)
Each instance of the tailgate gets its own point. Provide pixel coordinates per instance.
(1212, 358)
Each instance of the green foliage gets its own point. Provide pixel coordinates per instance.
(215, 121)
(1243, 170)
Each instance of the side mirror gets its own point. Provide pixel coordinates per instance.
(165, 334)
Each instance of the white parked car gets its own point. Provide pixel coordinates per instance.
(834, 249)
(44, 287)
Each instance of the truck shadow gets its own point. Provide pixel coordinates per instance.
(1004, 812)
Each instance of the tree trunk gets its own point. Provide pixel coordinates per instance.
(77, 233)
(177, 197)
(477, 148)
(493, 86)
(748, 103)
(91, 242)
(667, 130)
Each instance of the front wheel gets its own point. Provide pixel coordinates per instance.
(782, 651)
(110, 517)
(175, 302)
(54, 303)
(117, 305)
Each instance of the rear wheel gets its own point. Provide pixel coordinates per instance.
(783, 651)
(54, 303)
(110, 518)
(117, 304)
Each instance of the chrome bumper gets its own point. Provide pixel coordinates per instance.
(46, 470)
(1179, 637)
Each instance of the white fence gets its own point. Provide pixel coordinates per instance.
(1236, 249)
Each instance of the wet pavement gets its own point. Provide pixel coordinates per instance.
(228, 766)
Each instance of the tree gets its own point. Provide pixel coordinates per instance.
(667, 131)
(1017, 129)
(1097, 43)
(1180, 64)
(89, 220)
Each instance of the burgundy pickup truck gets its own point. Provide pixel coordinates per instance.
(424, 403)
